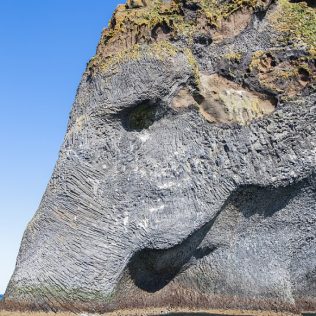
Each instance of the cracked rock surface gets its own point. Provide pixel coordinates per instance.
(187, 177)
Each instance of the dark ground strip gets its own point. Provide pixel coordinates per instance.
(202, 314)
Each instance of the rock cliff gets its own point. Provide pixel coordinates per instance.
(187, 176)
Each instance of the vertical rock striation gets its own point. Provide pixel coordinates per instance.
(187, 174)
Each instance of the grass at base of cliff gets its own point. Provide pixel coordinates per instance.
(158, 311)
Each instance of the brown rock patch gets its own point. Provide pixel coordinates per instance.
(223, 101)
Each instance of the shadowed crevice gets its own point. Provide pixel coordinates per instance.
(143, 115)
(151, 270)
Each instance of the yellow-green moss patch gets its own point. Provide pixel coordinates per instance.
(233, 56)
(161, 50)
(297, 22)
(284, 76)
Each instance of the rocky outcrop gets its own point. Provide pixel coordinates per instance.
(187, 174)
(221, 100)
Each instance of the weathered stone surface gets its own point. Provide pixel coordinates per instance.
(187, 175)
(220, 100)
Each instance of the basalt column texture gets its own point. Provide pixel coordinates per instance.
(187, 176)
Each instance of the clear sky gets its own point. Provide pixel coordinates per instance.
(44, 48)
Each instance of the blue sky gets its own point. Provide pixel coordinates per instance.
(44, 48)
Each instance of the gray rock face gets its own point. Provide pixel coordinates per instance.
(165, 194)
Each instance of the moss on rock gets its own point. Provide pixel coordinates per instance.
(285, 76)
(297, 23)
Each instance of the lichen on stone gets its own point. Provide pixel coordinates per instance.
(297, 23)
(287, 76)
(223, 101)
(194, 66)
(234, 56)
(161, 50)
